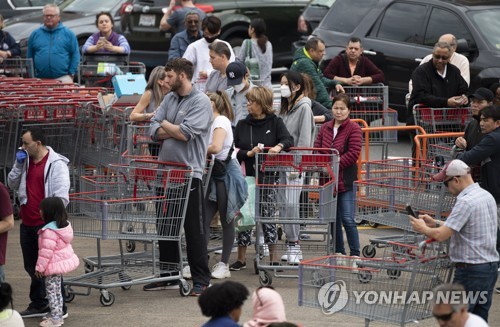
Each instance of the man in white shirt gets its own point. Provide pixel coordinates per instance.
(456, 59)
(450, 307)
(198, 52)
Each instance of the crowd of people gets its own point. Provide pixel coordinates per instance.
(206, 102)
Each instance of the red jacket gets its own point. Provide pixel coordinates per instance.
(348, 144)
(339, 66)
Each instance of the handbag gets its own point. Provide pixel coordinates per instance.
(251, 62)
(245, 220)
(219, 169)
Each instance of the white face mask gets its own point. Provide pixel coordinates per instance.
(285, 91)
(239, 87)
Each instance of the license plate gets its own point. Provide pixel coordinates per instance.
(147, 20)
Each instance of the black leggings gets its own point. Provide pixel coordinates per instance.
(227, 227)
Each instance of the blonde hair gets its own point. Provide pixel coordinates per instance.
(158, 73)
(263, 97)
(222, 104)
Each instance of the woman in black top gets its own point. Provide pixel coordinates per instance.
(261, 128)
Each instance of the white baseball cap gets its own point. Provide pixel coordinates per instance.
(455, 167)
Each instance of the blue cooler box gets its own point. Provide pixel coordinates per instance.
(129, 87)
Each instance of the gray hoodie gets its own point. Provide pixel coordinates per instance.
(56, 177)
(300, 123)
(193, 113)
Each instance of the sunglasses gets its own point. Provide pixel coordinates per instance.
(193, 22)
(437, 57)
(446, 182)
(444, 317)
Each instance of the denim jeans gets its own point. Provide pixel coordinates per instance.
(478, 278)
(345, 217)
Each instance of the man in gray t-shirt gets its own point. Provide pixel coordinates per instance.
(220, 55)
(175, 18)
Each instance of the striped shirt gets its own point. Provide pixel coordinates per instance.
(474, 220)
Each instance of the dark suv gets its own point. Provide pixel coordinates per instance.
(397, 34)
(141, 19)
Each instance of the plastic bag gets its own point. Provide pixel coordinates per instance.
(245, 220)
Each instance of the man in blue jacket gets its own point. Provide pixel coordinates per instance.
(54, 48)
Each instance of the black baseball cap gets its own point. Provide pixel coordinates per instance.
(235, 72)
(482, 93)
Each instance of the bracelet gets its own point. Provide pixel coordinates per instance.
(280, 145)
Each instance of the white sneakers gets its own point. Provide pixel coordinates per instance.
(339, 260)
(186, 272)
(293, 255)
(221, 270)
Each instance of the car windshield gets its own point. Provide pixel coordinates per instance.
(488, 23)
(89, 6)
(322, 3)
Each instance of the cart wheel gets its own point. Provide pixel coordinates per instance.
(125, 278)
(372, 224)
(317, 280)
(88, 268)
(369, 251)
(393, 273)
(358, 220)
(265, 278)
(365, 276)
(255, 267)
(68, 294)
(184, 288)
(107, 301)
(130, 246)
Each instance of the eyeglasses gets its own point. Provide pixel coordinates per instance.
(448, 180)
(444, 317)
(250, 101)
(438, 57)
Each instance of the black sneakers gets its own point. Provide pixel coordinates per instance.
(34, 312)
(237, 266)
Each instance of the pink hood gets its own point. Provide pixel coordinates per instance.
(55, 253)
(268, 307)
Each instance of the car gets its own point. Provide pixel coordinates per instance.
(312, 15)
(10, 8)
(397, 34)
(141, 19)
(77, 15)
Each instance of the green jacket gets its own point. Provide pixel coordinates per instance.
(303, 63)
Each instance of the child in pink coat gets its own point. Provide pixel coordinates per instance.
(55, 256)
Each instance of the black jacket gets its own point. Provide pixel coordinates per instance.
(487, 154)
(249, 132)
(430, 89)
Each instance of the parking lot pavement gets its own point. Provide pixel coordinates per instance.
(135, 307)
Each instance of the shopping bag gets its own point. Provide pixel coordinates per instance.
(252, 62)
(245, 219)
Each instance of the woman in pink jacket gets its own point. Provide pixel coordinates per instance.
(55, 255)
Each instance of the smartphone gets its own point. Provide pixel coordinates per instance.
(102, 39)
(410, 211)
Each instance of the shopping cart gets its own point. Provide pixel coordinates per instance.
(126, 205)
(441, 120)
(395, 288)
(101, 74)
(280, 181)
(17, 67)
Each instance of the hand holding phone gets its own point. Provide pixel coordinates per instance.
(410, 211)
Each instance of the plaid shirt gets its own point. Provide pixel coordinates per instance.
(474, 220)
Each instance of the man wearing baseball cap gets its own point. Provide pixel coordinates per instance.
(471, 228)
(238, 83)
(472, 134)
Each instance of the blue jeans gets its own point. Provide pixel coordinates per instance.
(478, 278)
(345, 217)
